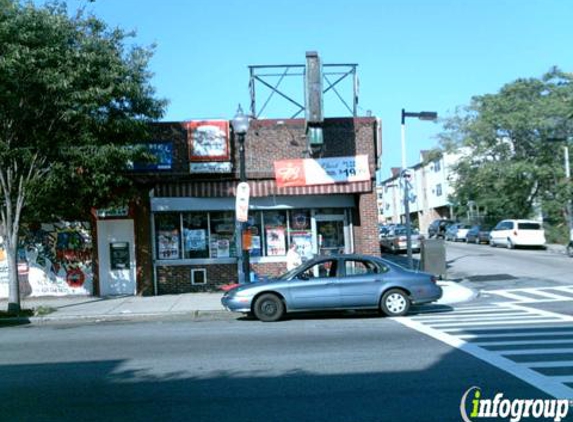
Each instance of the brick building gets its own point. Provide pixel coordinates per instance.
(183, 223)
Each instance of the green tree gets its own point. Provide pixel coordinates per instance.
(72, 97)
(507, 165)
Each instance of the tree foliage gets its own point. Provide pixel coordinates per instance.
(73, 95)
(509, 167)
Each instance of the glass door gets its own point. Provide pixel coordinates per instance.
(330, 235)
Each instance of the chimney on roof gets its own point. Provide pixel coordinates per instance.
(314, 102)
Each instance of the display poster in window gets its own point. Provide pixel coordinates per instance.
(276, 241)
(223, 248)
(303, 242)
(195, 240)
(208, 140)
(255, 246)
(168, 244)
(300, 220)
(220, 247)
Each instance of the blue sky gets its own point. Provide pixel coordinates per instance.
(413, 54)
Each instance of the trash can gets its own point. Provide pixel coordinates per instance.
(433, 257)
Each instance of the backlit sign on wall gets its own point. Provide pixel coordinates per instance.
(208, 140)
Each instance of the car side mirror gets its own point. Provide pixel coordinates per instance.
(302, 276)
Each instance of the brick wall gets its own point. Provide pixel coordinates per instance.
(366, 225)
(266, 142)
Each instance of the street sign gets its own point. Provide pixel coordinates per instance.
(242, 202)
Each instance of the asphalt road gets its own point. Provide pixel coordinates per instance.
(350, 367)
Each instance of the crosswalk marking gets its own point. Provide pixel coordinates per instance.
(506, 333)
(521, 342)
(551, 364)
(545, 333)
(536, 294)
(535, 351)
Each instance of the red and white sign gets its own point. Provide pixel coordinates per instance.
(242, 202)
(208, 140)
(323, 171)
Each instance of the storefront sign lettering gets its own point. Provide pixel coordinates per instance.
(322, 171)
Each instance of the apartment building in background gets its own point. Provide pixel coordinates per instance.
(430, 186)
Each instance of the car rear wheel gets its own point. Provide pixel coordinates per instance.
(269, 308)
(395, 302)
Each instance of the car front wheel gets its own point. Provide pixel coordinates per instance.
(269, 308)
(395, 302)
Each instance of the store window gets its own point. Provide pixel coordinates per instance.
(300, 232)
(222, 241)
(253, 239)
(195, 235)
(167, 235)
(275, 232)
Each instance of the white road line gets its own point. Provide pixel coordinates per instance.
(520, 342)
(550, 295)
(534, 319)
(526, 334)
(534, 352)
(542, 326)
(552, 364)
(564, 378)
(481, 317)
(506, 294)
(546, 384)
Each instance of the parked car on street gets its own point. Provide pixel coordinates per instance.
(515, 233)
(478, 234)
(457, 232)
(396, 240)
(335, 282)
(438, 227)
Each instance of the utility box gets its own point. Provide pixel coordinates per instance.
(433, 257)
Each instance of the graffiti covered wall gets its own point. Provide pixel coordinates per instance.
(53, 260)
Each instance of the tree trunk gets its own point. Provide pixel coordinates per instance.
(14, 287)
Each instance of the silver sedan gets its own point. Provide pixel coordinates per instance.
(335, 283)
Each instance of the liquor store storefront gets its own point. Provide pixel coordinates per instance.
(194, 244)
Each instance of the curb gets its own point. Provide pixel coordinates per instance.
(112, 317)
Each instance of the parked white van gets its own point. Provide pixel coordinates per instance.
(512, 233)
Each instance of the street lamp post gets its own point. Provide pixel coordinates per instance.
(561, 135)
(240, 125)
(423, 115)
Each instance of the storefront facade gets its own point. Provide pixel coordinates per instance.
(185, 231)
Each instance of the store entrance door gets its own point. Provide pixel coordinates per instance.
(330, 237)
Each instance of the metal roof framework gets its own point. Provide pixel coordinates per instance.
(333, 75)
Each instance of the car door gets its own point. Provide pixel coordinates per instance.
(360, 283)
(315, 287)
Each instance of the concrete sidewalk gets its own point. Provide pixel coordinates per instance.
(191, 304)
